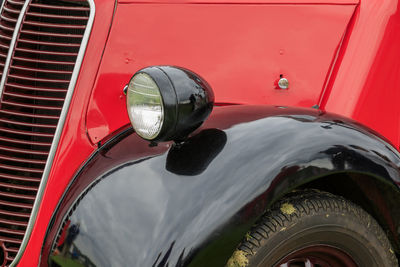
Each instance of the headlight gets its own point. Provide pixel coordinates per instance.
(167, 103)
(145, 106)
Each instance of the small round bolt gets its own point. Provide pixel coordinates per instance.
(283, 83)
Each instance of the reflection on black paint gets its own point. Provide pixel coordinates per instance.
(343, 158)
(302, 118)
(167, 208)
(194, 155)
(163, 261)
(67, 252)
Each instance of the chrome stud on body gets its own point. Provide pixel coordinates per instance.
(283, 83)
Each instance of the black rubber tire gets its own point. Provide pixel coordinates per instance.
(312, 217)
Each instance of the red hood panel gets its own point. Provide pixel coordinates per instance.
(241, 50)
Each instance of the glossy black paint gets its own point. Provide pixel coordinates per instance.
(193, 156)
(188, 100)
(136, 205)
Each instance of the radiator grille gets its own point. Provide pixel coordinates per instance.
(36, 84)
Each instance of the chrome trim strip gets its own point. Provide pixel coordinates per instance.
(1, 10)
(58, 132)
(2, 5)
(12, 43)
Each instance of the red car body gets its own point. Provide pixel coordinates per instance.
(339, 56)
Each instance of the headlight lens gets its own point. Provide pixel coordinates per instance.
(145, 106)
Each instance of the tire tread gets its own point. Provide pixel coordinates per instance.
(306, 203)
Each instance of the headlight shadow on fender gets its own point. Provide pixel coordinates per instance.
(191, 203)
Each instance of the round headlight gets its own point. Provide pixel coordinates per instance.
(145, 106)
(167, 103)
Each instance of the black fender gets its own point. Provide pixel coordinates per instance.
(190, 204)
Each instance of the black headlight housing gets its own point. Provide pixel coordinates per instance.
(187, 100)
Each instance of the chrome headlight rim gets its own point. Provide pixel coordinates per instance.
(168, 101)
(138, 87)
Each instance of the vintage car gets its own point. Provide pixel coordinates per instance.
(199, 133)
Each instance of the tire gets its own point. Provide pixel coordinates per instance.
(314, 227)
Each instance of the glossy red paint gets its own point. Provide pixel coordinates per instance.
(241, 50)
(74, 146)
(366, 76)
